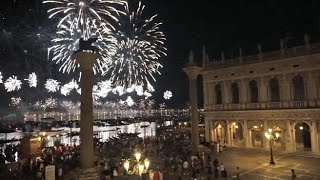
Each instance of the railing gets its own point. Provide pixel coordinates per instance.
(254, 106)
(268, 105)
(274, 105)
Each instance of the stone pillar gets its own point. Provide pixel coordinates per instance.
(246, 135)
(265, 141)
(226, 94)
(289, 141)
(228, 132)
(86, 61)
(205, 95)
(314, 137)
(263, 92)
(193, 71)
(212, 131)
(207, 129)
(243, 93)
(311, 89)
(211, 95)
(285, 91)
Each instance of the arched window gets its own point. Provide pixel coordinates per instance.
(274, 90)
(235, 93)
(254, 94)
(218, 94)
(298, 88)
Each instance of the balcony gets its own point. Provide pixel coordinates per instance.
(263, 106)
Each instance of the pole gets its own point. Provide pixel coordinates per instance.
(271, 154)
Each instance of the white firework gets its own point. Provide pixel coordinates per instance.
(15, 101)
(129, 101)
(1, 77)
(139, 90)
(118, 90)
(167, 95)
(67, 88)
(85, 10)
(51, 103)
(104, 87)
(32, 80)
(12, 84)
(52, 85)
(147, 94)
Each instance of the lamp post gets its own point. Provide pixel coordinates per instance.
(139, 168)
(271, 137)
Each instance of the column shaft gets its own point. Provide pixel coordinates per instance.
(285, 91)
(86, 120)
(246, 134)
(194, 111)
(311, 89)
(207, 130)
(263, 92)
(314, 137)
(205, 95)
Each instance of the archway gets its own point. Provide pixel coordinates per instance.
(218, 94)
(237, 139)
(274, 90)
(253, 91)
(298, 88)
(302, 136)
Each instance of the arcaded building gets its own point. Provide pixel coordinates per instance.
(280, 90)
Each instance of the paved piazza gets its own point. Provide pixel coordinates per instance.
(254, 164)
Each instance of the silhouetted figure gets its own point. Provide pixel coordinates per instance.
(87, 45)
(293, 175)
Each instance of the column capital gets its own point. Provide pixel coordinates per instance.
(192, 71)
(85, 59)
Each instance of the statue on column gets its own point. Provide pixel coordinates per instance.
(87, 45)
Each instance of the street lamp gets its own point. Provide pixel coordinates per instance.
(271, 137)
(139, 167)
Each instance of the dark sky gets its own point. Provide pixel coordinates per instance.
(220, 25)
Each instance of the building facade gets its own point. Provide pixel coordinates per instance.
(247, 96)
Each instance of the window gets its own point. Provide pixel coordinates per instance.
(218, 94)
(254, 94)
(235, 93)
(274, 90)
(298, 88)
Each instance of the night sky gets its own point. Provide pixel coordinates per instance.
(188, 25)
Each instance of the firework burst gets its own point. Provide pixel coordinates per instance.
(32, 80)
(12, 84)
(15, 101)
(1, 77)
(85, 11)
(139, 48)
(67, 88)
(167, 95)
(67, 42)
(52, 85)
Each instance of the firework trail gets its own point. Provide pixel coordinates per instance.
(1, 77)
(139, 48)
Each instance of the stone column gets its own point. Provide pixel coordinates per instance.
(207, 129)
(314, 137)
(288, 137)
(246, 135)
(265, 141)
(311, 89)
(86, 61)
(212, 131)
(263, 92)
(211, 95)
(285, 91)
(243, 93)
(205, 95)
(227, 129)
(193, 71)
(226, 94)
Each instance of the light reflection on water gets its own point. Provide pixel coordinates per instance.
(145, 129)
